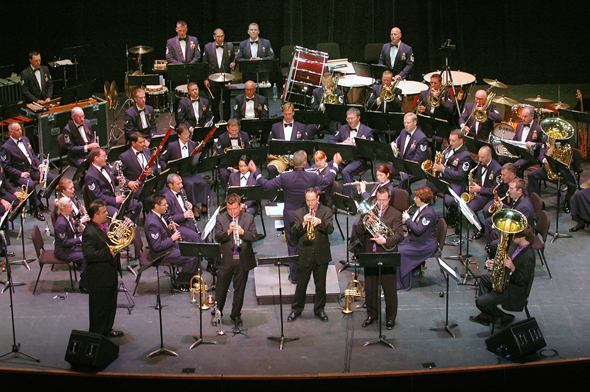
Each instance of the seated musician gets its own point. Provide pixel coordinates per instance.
(68, 238)
(346, 135)
(134, 162)
(469, 122)
(21, 166)
(195, 186)
(521, 264)
(508, 173)
(435, 103)
(516, 200)
(241, 178)
(101, 184)
(384, 97)
(383, 180)
(140, 117)
(397, 56)
(410, 145)
(193, 111)
(180, 209)
(232, 139)
(327, 93)
(581, 209)
(66, 189)
(485, 179)
(249, 104)
(528, 131)
(322, 167)
(289, 130)
(7, 194)
(162, 237)
(421, 242)
(79, 137)
(536, 176)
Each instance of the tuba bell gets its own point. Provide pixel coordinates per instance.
(506, 222)
(557, 130)
(354, 290)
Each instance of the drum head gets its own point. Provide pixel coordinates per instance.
(459, 78)
(355, 81)
(410, 87)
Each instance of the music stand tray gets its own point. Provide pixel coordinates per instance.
(522, 153)
(384, 121)
(337, 113)
(373, 150)
(201, 133)
(114, 153)
(51, 187)
(310, 117)
(188, 72)
(287, 147)
(434, 126)
(259, 127)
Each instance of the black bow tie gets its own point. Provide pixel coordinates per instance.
(36, 69)
(253, 42)
(526, 125)
(249, 99)
(138, 153)
(394, 45)
(352, 129)
(140, 110)
(218, 46)
(179, 195)
(182, 39)
(233, 138)
(19, 141)
(288, 125)
(184, 147)
(194, 100)
(243, 177)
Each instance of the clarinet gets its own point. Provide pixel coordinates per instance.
(187, 204)
(171, 222)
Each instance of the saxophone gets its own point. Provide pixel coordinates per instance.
(428, 166)
(468, 196)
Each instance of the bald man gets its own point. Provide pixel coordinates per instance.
(397, 56)
(250, 104)
(79, 137)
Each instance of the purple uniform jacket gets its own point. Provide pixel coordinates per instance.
(535, 134)
(443, 111)
(224, 141)
(493, 175)
(74, 142)
(318, 97)
(186, 113)
(210, 56)
(175, 209)
(457, 167)
(363, 132)
(130, 164)
(417, 146)
(173, 151)
(260, 107)
(158, 235)
(391, 107)
(264, 50)
(66, 239)
(278, 132)
(133, 122)
(14, 160)
(484, 128)
(234, 180)
(30, 86)
(98, 187)
(404, 60)
(423, 229)
(174, 52)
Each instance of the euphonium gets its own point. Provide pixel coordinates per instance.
(372, 221)
(121, 234)
(428, 166)
(354, 290)
(469, 195)
(557, 130)
(479, 114)
(199, 288)
(434, 100)
(330, 97)
(506, 222)
(310, 234)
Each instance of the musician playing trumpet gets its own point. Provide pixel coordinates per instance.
(385, 97)
(312, 225)
(473, 128)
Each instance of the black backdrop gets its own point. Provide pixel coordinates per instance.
(516, 42)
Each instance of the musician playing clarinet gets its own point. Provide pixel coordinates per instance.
(180, 209)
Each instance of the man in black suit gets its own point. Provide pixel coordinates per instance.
(397, 56)
(140, 117)
(289, 130)
(36, 83)
(314, 254)
(235, 231)
(101, 271)
(221, 58)
(250, 104)
(78, 137)
(182, 49)
(520, 264)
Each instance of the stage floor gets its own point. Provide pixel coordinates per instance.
(43, 322)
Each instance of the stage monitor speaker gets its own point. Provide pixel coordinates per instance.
(91, 350)
(518, 340)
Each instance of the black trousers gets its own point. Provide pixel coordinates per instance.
(373, 292)
(488, 300)
(319, 278)
(237, 274)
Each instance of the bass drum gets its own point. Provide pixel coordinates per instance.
(463, 82)
(305, 75)
(502, 131)
(410, 92)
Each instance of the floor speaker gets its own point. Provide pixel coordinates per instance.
(517, 340)
(92, 350)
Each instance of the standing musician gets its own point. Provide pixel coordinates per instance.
(134, 162)
(393, 219)
(521, 265)
(232, 139)
(68, 239)
(476, 129)
(397, 56)
(162, 237)
(101, 184)
(485, 179)
(79, 137)
(182, 49)
(528, 131)
(327, 93)
(195, 186)
(102, 268)
(421, 241)
(249, 104)
(383, 175)
(235, 231)
(322, 167)
(140, 117)
(312, 225)
(508, 173)
(221, 58)
(294, 183)
(379, 101)
(193, 111)
(255, 48)
(36, 83)
(426, 104)
(242, 178)
(581, 209)
(346, 135)
(289, 130)
(180, 208)
(21, 165)
(410, 145)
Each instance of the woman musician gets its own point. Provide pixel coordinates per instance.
(243, 177)
(322, 167)
(383, 175)
(66, 189)
(68, 238)
(421, 242)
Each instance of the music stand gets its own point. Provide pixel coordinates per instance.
(564, 172)
(152, 185)
(200, 133)
(51, 187)
(346, 204)
(521, 153)
(157, 140)
(286, 147)
(373, 150)
(379, 259)
(232, 157)
(258, 67)
(12, 216)
(211, 251)
(384, 121)
(434, 127)
(212, 164)
(337, 113)
(348, 152)
(187, 72)
(310, 117)
(81, 170)
(260, 128)
(116, 151)
(279, 262)
(447, 271)
(251, 192)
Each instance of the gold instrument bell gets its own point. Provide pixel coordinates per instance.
(558, 131)
(506, 222)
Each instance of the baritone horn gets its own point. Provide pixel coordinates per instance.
(354, 290)
(199, 288)
(479, 114)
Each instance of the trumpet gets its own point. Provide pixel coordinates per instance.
(198, 290)
(354, 290)
(237, 239)
(310, 234)
(43, 171)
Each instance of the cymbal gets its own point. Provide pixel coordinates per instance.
(558, 105)
(141, 49)
(114, 95)
(538, 99)
(505, 101)
(495, 83)
(107, 94)
(221, 77)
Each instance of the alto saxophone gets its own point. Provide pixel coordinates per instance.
(469, 195)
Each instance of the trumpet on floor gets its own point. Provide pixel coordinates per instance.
(354, 290)
(199, 288)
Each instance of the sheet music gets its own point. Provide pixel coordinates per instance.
(211, 224)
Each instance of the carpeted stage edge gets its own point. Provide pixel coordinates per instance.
(501, 377)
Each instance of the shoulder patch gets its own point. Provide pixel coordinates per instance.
(465, 166)
(425, 221)
(92, 187)
(423, 147)
(62, 235)
(155, 235)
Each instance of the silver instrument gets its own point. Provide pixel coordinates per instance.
(123, 189)
(43, 172)
(237, 239)
(372, 220)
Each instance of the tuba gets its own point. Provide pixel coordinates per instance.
(354, 289)
(479, 114)
(428, 166)
(557, 130)
(199, 288)
(121, 234)
(469, 195)
(506, 222)
(372, 221)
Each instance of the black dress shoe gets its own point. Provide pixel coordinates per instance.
(181, 288)
(115, 334)
(322, 316)
(238, 321)
(480, 319)
(477, 235)
(580, 226)
(390, 324)
(83, 290)
(293, 281)
(504, 321)
(368, 321)
(566, 207)
(293, 316)
(10, 254)
(39, 216)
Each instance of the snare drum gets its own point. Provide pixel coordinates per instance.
(305, 74)
(502, 131)
(410, 92)
(514, 113)
(181, 91)
(463, 82)
(356, 89)
(157, 97)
